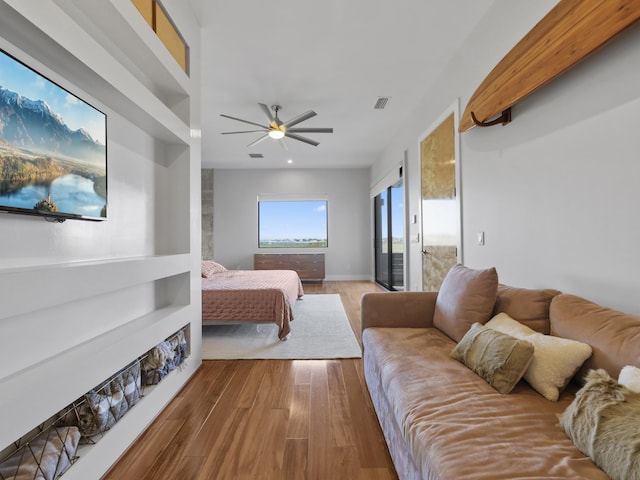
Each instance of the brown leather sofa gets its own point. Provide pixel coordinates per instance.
(442, 421)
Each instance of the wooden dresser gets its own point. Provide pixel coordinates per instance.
(309, 266)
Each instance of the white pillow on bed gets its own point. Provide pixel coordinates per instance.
(209, 268)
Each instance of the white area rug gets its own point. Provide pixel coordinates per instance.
(320, 329)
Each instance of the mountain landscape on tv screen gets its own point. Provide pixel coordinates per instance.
(37, 148)
(32, 124)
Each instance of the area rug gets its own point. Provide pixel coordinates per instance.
(320, 330)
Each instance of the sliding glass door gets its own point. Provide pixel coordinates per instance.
(389, 237)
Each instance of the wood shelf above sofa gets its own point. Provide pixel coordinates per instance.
(309, 266)
(566, 35)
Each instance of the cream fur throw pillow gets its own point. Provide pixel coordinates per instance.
(603, 421)
(630, 378)
(555, 360)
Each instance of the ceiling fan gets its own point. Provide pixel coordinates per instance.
(277, 129)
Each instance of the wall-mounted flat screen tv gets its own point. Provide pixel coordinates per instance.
(53, 153)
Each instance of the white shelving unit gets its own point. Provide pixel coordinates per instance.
(74, 321)
(54, 35)
(24, 391)
(66, 282)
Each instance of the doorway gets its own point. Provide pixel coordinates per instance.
(389, 237)
(441, 232)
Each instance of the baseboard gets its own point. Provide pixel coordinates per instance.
(347, 278)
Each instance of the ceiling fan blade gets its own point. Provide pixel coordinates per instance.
(310, 130)
(300, 118)
(302, 139)
(243, 131)
(283, 144)
(255, 142)
(244, 121)
(267, 112)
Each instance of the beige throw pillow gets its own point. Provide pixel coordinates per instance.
(498, 358)
(555, 360)
(603, 421)
(465, 297)
(505, 324)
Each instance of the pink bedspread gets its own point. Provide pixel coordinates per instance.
(251, 295)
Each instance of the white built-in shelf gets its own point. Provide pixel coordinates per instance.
(47, 285)
(74, 53)
(136, 46)
(75, 371)
(150, 53)
(137, 418)
(101, 314)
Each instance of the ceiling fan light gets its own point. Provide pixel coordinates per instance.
(276, 134)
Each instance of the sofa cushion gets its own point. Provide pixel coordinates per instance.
(529, 306)
(555, 360)
(466, 296)
(603, 422)
(614, 336)
(497, 357)
(457, 426)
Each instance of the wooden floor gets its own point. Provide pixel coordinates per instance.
(268, 419)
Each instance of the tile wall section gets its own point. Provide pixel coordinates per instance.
(207, 214)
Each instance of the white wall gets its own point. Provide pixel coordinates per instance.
(235, 216)
(556, 191)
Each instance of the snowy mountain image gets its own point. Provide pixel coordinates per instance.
(44, 164)
(33, 125)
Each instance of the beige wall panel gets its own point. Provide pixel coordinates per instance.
(170, 38)
(440, 220)
(438, 162)
(436, 265)
(145, 7)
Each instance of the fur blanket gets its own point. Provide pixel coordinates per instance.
(603, 421)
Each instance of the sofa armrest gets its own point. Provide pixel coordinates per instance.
(397, 309)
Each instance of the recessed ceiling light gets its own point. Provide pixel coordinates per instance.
(289, 161)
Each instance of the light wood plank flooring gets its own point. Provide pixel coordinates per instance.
(268, 420)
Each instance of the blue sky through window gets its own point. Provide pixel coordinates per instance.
(291, 223)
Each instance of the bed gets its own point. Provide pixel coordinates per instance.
(238, 296)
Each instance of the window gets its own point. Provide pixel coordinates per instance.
(292, 222)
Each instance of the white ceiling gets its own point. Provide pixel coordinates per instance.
(335, 57)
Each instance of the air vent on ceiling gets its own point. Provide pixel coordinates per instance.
(256, 155)
(381, 103)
